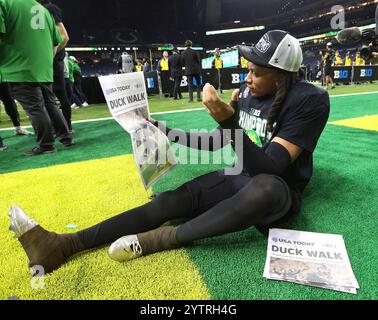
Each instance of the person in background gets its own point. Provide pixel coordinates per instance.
(139, 66)
(217, 65)
(80, 100)
(328, 58)
(175, 67)
(370, 52)
(163, 69)
(146, 65)
(11, 110)
(243, 63)
(126, 63)
(59, 85)
(191, 60)
(27, 52)
(348, 60)
(338, 60)
(358, 60)
(318, 71)
(2, 145)
(217, 62)
(69, 79)
(308, 71)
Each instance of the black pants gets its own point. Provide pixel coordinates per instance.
(38, 101)
(59, 87)
(166, 83)
(191, 86)
(328, 70)
(213, 204)
(69, 91)
(217, 80)
(177, 87)
(9, 104)
(78, 94)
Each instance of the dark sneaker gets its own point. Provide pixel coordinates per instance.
(37, 151)
(67, 142)
(2, 145)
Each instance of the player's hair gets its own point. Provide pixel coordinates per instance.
(286, 80)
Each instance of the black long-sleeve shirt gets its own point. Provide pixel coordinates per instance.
(301, 122)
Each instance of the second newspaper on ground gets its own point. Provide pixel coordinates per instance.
(309, 258)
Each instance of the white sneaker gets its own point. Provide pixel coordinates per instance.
(85, 104)
(74, 106)
(20, 221)
(22, 132)
(125, 249)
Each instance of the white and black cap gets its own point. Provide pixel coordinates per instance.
(276, 49)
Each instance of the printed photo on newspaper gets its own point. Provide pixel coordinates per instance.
(152, 152)
(309, 258)
(126, 97)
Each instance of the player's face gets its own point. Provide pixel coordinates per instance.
(261, 81)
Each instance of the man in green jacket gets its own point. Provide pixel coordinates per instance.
(69, 79)
(28, 42)
(80, 100)
(2, 145)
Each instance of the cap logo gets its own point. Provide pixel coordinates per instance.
(264, 44)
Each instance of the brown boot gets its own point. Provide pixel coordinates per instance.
(48, 249)
(160, 239)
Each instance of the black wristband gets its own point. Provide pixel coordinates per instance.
(231, 123)
(234, 105)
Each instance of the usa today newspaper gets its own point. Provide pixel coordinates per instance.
(309, 258)
(126, 97)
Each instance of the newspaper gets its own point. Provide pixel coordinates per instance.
(126, 97)
(309, 258)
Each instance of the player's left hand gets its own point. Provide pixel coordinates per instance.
(215, 106)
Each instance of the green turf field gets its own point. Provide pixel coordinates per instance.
(97, 179)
